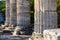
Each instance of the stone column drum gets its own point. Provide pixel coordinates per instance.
(7, 20)
(23, 15)
(45, 15)
(13, 12)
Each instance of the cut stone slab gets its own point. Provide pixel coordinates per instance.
(51, 34)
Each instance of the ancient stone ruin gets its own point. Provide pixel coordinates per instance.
(45, 15)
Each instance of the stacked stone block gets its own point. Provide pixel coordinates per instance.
(23, 15)
(45, 15)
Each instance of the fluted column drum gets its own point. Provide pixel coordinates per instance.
(13, 12)
(45, 15)
(7, 14)
(23, 15)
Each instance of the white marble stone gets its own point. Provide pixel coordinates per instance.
(36, 36)
(51, 34)
(30, 39)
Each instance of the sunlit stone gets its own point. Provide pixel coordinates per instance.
(51, 34)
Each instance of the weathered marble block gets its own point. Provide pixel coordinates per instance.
(51, 34)
(36, 36)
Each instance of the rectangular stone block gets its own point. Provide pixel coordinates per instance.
(45, 16)
(23, 13)
(51, 34)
